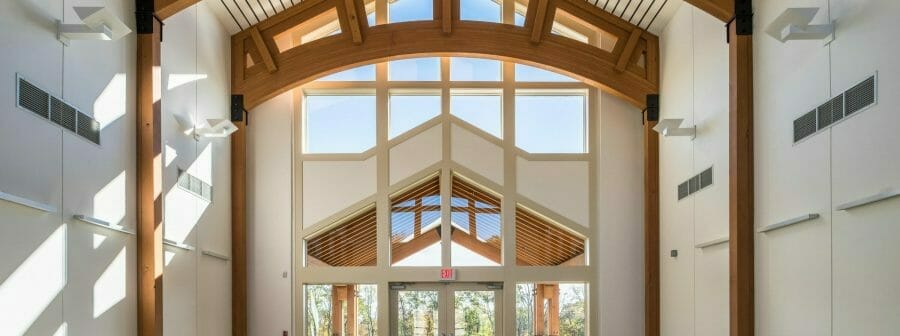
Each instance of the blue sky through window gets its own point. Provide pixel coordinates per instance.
(475, 69)
(550, 124)
(410, 10)
(408, 111)
(340, 124)
(480, 10)
(415, 69)
(482, 108)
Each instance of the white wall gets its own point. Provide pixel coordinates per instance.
(832, 275)
(694, 288)
(59, 276)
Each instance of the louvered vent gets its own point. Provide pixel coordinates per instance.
(683, 190)
(194, 185)
(32, 98)
(63, 114)
(855, 99)
(88, 128)
(805, 126)
(695, 183)
(706, 178)
(861, 96)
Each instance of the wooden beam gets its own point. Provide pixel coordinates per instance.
(264, 53)
(351, 310)
(166, 8)
(741, 193)
(239, 230)
(337, 309)
(721, 9)
(651, 230)
(483, 249)
(351, 21)
(539, 310)
(542, 11)
(552, 295)
(628, 51)
(409, 248)
(149, 176)
(447, 15)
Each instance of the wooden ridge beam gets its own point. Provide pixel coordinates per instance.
(632, 43)
(166, 8)
(403, 250)
(264, 53)
(483, 249)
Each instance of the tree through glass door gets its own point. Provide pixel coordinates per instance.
(445, 309)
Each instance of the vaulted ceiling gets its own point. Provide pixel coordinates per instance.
(652, 15)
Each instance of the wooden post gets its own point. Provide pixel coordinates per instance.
(149, 173)
(351, 310)
(538, 310)
(651, 230)
(338, 293)
(552, 295)
(239, 230)
(741, 197)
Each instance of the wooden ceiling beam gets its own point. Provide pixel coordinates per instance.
(263, 50)
(721, 9)
(626, 57)
(403, 250)
(351, 21)
(483, 249)
(166, 8)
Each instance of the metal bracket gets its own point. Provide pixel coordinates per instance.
(237, 108)
(743, 19)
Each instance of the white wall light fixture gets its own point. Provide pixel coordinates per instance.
(99, 23)
(217, 128)
(672, 127)
(794, 24)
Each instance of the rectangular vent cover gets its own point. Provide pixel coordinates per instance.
(695, 183)
(194, 185)
(33, 98)
(42, 103)
(857, 98)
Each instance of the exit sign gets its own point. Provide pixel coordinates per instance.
(448, 274)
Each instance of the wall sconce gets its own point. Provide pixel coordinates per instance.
(218, 128)
(793, 24)
(99, 24)
(672, 127)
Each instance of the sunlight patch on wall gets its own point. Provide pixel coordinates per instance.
(112, 101)
(181, 214)
(63, 330)
(168, 256)
(176, 80)
(34, 285)
(110, 287)
(170, 155)
(109, 202)
(98, 240)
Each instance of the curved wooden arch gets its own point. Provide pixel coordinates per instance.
(621, 71)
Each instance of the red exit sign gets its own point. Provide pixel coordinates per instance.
(448, 274)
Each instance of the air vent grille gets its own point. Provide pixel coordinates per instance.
(695, 183)
(195, 186)
(856, 99)
(805, 126)
(861, 96)
(33, 98)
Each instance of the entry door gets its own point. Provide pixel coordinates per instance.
(446, 309)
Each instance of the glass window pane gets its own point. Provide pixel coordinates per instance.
(572, 306)
(482, 108)
(319, 300)
(358, 74)
(410, 10)
(339, 124)
(476, 225)
(519, 20)
(474, 313)
(525, 309)
(366, 310)
(408, 111)
(571, 313)
(475, 69)
(415, 69)
(417, 313)
(479, 10)
(318, 310)
(525, 73)
(416, 225)
(550, 124)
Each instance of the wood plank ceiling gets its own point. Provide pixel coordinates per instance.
(650, 15)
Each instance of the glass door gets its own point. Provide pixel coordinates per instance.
(449, 309)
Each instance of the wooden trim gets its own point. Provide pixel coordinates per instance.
(166, 8)
(721, 9)
(264, 53)
(651, 231)
(239, 230)
(741, 193)
(149, 184)
(628, 51)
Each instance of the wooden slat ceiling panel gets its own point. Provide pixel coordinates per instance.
(480, 209)
(351, 243)
(413, 209)
(542, 243)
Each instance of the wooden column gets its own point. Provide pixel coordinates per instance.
(651, 230)
(239, 230)
(149, 173)
(740, 185)
(351, 310)
(338, 297)
(538, 310)
(552, 295)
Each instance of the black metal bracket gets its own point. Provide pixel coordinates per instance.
(652, 107)
(237, 109)
(743, 19)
